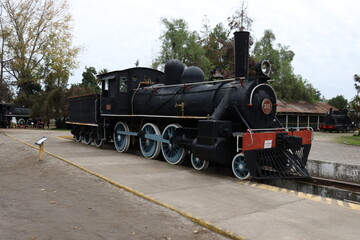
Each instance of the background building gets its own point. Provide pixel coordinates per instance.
(302, 114)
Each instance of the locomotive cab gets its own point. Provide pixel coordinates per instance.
(117, 88)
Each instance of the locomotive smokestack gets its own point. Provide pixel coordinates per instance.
(241, 53)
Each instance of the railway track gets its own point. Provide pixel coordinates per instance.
(340, 190)
(347, 186)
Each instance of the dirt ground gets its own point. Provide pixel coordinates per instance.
(53, 200)
(326, 137)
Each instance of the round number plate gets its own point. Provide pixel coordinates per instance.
(266, 106)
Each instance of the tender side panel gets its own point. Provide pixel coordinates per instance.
(82, 109)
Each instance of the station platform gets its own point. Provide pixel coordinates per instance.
(239, 210)
(331, 160)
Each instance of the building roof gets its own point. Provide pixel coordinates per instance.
(304, 107)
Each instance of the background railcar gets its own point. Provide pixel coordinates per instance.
(338, 121)
(9, 111)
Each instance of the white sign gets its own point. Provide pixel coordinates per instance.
(41, 141)
(267, 143)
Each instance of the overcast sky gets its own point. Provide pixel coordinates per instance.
(324, 35)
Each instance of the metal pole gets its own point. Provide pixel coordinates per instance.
(41, 151)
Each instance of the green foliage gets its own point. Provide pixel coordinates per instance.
(137, 63)
(288, 85)
(218, 48)
(215, 49)
(5, 92)
(352, 140)
(90, 80)
(50, 104)
(355, 103)
(241, 20)
(178, 42)
(357, 83)
(103, 71)
(339, 102)
(36, 37)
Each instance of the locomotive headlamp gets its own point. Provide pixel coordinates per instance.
(263, 68)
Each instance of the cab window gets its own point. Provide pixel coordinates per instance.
(105, 87)
(123, 84)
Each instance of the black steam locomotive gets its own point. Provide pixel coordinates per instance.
(338, 121)
(9, 111)
(178, 113)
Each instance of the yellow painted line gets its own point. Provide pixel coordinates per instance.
(328, 200)
(354, 206)
(315, 198)
(292, 192)
(66, 137)
(268, 187)
(308, 196)
(189, 216)
(340, 203)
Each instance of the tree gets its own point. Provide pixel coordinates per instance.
(339, 102)
(357, 83)
(178, 42)
(288, 85)
(355, 103)
(240, 21)
(90, 80)
(218, 48)
(5, 92)
(39, 47)
(51, 105)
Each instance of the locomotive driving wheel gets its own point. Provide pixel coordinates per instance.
(240, 168)
(98, 142)
(78, 137)
(87, 138)
(172, 153)
(121, 141)
(149, 148)
(199, 164)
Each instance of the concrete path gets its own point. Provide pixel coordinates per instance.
(331, 160)
(326, 148)
(243, 209)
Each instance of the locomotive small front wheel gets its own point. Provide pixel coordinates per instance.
(121, 141)
(149, 148)
(172, 153)
(240, 167)
(199, 164)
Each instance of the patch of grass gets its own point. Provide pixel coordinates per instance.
(352, 140)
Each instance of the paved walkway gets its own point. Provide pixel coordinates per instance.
(326, 148)
(243, 210)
